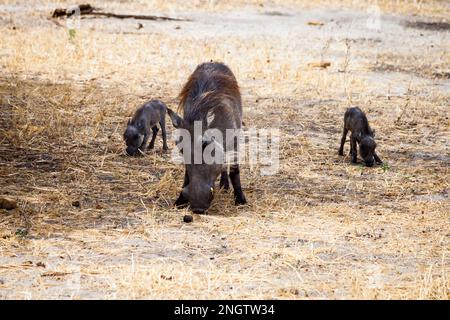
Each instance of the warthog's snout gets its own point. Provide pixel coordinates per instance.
(370, 162)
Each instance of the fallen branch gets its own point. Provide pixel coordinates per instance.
(81, 9)
(87, 9)
(132, 16)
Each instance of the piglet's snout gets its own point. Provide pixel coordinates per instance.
(131, 151)
(370, 162)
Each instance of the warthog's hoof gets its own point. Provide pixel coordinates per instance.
(239, 200)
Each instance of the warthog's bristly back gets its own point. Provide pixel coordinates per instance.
(208, 86)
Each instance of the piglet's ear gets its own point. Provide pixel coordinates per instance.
(373, 132)
(177, 121)
(129, 122)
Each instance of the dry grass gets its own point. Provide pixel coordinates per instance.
(320, 228)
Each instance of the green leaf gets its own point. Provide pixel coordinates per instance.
(21, 232)
(72, 33)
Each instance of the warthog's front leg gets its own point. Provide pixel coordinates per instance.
(354, 149)
(162, 123)
(182, 201)
(143, 146)
(152, 142)
(377, 158)
(236, 182)
(344, 136)
(224, 181)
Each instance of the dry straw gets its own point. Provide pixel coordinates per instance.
(93, 223)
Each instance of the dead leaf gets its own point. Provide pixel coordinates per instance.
(315, 23)
(55, 274)
(322, 64)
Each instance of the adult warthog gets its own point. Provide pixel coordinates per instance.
(211, 105)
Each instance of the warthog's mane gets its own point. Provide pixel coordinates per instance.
(210, 86)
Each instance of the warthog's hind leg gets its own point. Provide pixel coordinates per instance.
(236, 182)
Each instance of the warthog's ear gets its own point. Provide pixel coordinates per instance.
(373, 132)
(177, 121)
(129, 122)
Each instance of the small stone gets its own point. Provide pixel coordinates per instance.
(188, 218)
(7, 203)
(76, 203)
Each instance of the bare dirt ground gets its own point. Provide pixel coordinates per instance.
(320, 228)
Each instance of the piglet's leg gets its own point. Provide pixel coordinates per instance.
(162, 123)
(344, 136)
(354, 149)
(236, 182)
(182, 201)
(143, 146)
(152, 142)
(377, 158)
(224, 182)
